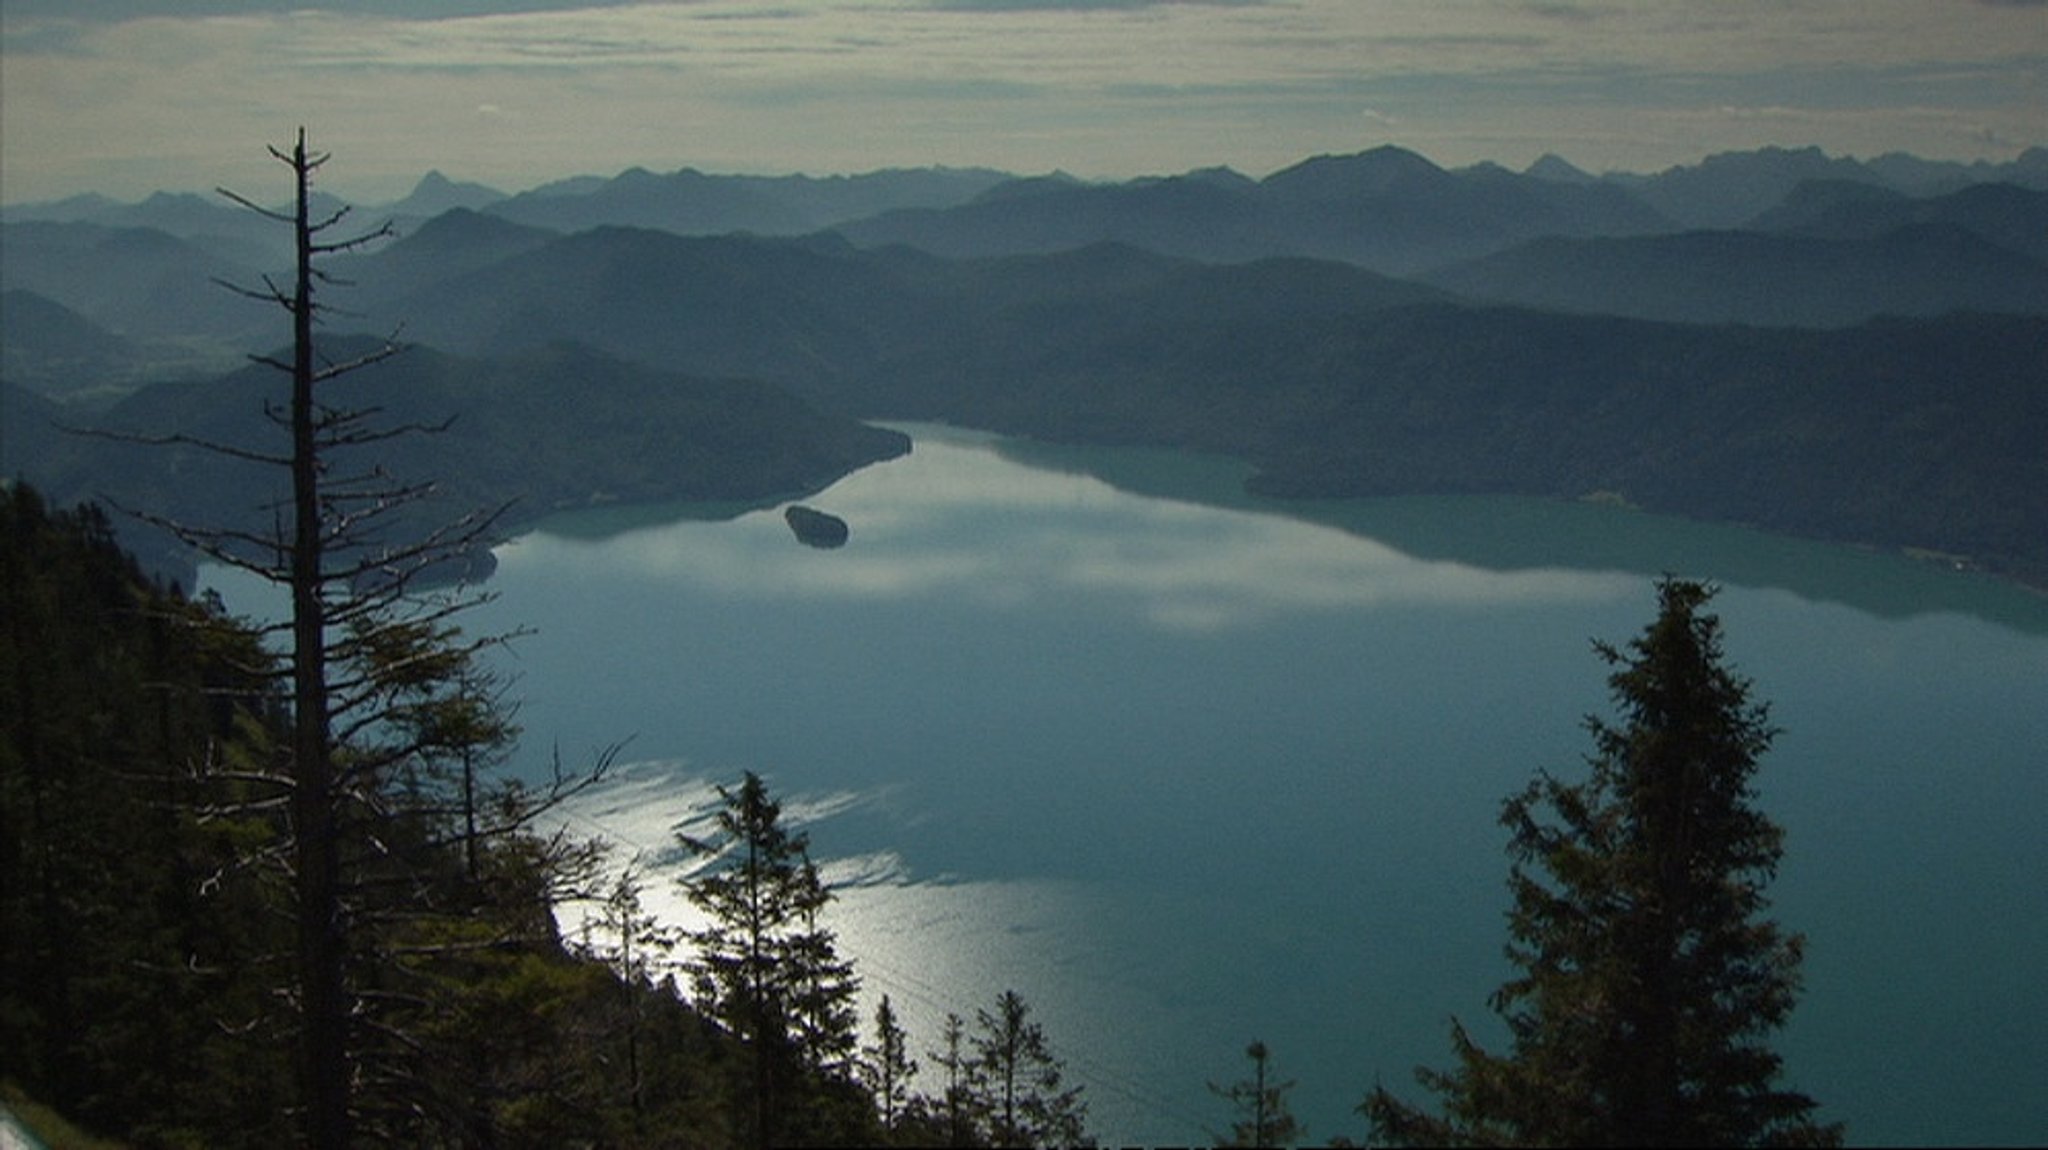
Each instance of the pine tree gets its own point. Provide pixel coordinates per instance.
(1017, 1080)
(1264, 1118)
(888, 1067)
(824, 1024)
(956, 1108)
(1650, 979)
(764, 967)
(634, 945)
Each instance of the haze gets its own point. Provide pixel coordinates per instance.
(124, 97)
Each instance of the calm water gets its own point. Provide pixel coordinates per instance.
(1186, 771)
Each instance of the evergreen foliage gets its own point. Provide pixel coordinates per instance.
(1261, 1106)
(1016, 1082)
(147, 936)
(768, 971)
(402, 866)
(888, 1067)
(127, 929)
(145, 933)
(954, 1111)
(1649, 978)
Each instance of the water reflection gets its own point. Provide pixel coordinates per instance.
(1514, 534)
(933, 944)
(955, 522)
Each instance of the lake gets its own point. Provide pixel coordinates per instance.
(1188, 769)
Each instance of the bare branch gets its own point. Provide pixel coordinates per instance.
(177, 439)
(252, 205)
(382, 231)
(334, 370)
(271, 295)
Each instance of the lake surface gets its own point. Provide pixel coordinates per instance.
(1187, 769)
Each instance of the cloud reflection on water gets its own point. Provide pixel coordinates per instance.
(952, 520)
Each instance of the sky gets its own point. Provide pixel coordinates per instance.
(126, 97)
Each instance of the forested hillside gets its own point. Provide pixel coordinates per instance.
(551, 426)
(146, 914)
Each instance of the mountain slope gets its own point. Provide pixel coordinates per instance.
(135, 282)
(555, 426)
(1756, 278)
(1920, 433)
(1334, 381)
(821, 318)
(2006, 215)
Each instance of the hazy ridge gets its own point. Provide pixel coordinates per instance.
(1833, 347)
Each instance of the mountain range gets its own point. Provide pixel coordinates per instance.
(1839, 348)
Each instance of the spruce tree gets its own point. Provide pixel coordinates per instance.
(764, 968)
(1017, 1080)
(888, 1066)
(1650, 979)
(1261, 1104)
(958, 1116)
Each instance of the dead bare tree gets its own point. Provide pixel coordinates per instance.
(392, 715)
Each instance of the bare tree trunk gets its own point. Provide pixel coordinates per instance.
(322, 986)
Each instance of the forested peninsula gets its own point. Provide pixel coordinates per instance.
(539, 430)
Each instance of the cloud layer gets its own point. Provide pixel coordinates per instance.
(126, 97)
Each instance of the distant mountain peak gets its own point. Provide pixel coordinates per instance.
(1056, 181)
(1558, 170)
(436, 193)
(1221, 176)
(1376, 171)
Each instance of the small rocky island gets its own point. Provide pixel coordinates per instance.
(815, 528)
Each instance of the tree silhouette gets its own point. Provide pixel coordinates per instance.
(956, 1108)
(889, 1067)
(1017, 1080)
(391, 718)
(764, 967)
(1261, 1104)
(1649, 978)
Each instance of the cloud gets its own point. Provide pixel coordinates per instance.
(115, 11)
(124, 96)
(1080, 5)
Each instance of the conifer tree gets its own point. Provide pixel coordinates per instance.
(1264, 1119)
(889, 1068)
(125, 947)
(956, 1107)
(1017, 1080)
(1649, 977)
(764, 968)
(634, 945)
